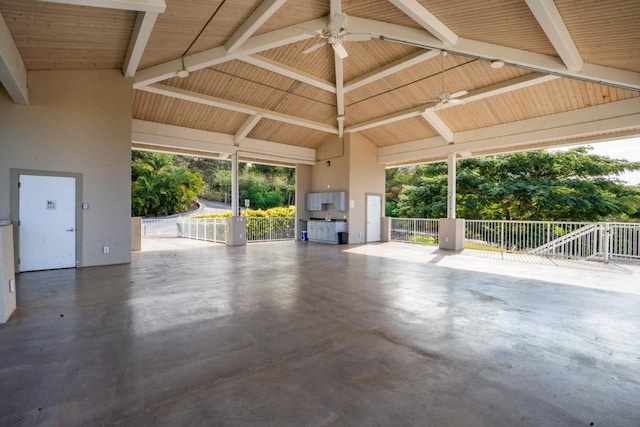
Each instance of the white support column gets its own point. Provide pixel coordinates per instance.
(450, 229)
(236, 230)
(451, 186)
(235, 193)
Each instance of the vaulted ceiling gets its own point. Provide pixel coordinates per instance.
(253, 78)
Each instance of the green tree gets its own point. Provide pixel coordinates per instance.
(568, 185)
(160, 188)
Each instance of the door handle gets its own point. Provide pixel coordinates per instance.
(71, 229)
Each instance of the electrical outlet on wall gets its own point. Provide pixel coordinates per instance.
(105, 250)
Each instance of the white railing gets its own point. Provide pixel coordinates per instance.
(259, 229)
(207, 229)
(415, 230)
(264, 229)
(601, 241)
(159, 227)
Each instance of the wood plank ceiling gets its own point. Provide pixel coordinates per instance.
(246, 60)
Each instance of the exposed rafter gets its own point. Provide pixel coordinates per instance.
(394, 67)
(438, 124)
(246, 128)
(13, 74)
(427, 20)
(485, 92)
(335, 7)
(148, 11)
(554, 27)
(577, 125)
(212, 101)
(157, 6)
(259, 16)
(284, 70)
(518, 57)
(139, 38)
(219, 55)
(150, 134)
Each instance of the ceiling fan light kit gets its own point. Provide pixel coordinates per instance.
(496, 64)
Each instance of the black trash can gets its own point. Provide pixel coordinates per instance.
(343, 237)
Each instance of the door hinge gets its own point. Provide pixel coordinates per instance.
(19, 184)
(18, 261)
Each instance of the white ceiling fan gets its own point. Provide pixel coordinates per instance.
(445, 97)
(336, 33)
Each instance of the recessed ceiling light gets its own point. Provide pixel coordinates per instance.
(497, 64)
(182, 74)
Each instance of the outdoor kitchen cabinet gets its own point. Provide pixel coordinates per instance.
(322, 201)
(325, 231)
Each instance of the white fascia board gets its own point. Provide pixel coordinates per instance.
(13, 74)
(438, 124)
(387, 70)
(155, 6)
(554, 27)
(492, 90)
(259, 16)
(150, 133)
(427, 20)
(219, 55)
(213, 101)
(285, 70)
(139, 38)
(582, 124)
(246, 128)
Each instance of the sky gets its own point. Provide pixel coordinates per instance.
(627, 149)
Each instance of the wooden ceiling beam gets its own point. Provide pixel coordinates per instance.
(145, 22)
(219, 55)
(587, 123)
(546, 12)
(259, 16)
(284, 70)
(148, 11)
(438, 124)
(176, 137)
(155, 6)
(489, 51)
(475, 95)
(246, 128)
(427, 20)
(387, 70)
(335, 7)
(13, 74)
(225, 104)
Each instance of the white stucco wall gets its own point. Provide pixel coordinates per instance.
(366, 176)
(77, 122)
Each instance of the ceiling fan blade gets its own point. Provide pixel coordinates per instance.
(314, 47)
(456, 101)
(458, 94)
(337, 22)
(357, 37)
(340, 50)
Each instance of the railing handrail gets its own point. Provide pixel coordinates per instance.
(568, 239)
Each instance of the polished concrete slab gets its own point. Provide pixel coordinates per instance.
(295, 333)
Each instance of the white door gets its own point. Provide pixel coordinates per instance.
(47, 222)
(373, 218)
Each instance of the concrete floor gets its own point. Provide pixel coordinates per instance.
(309, 334)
